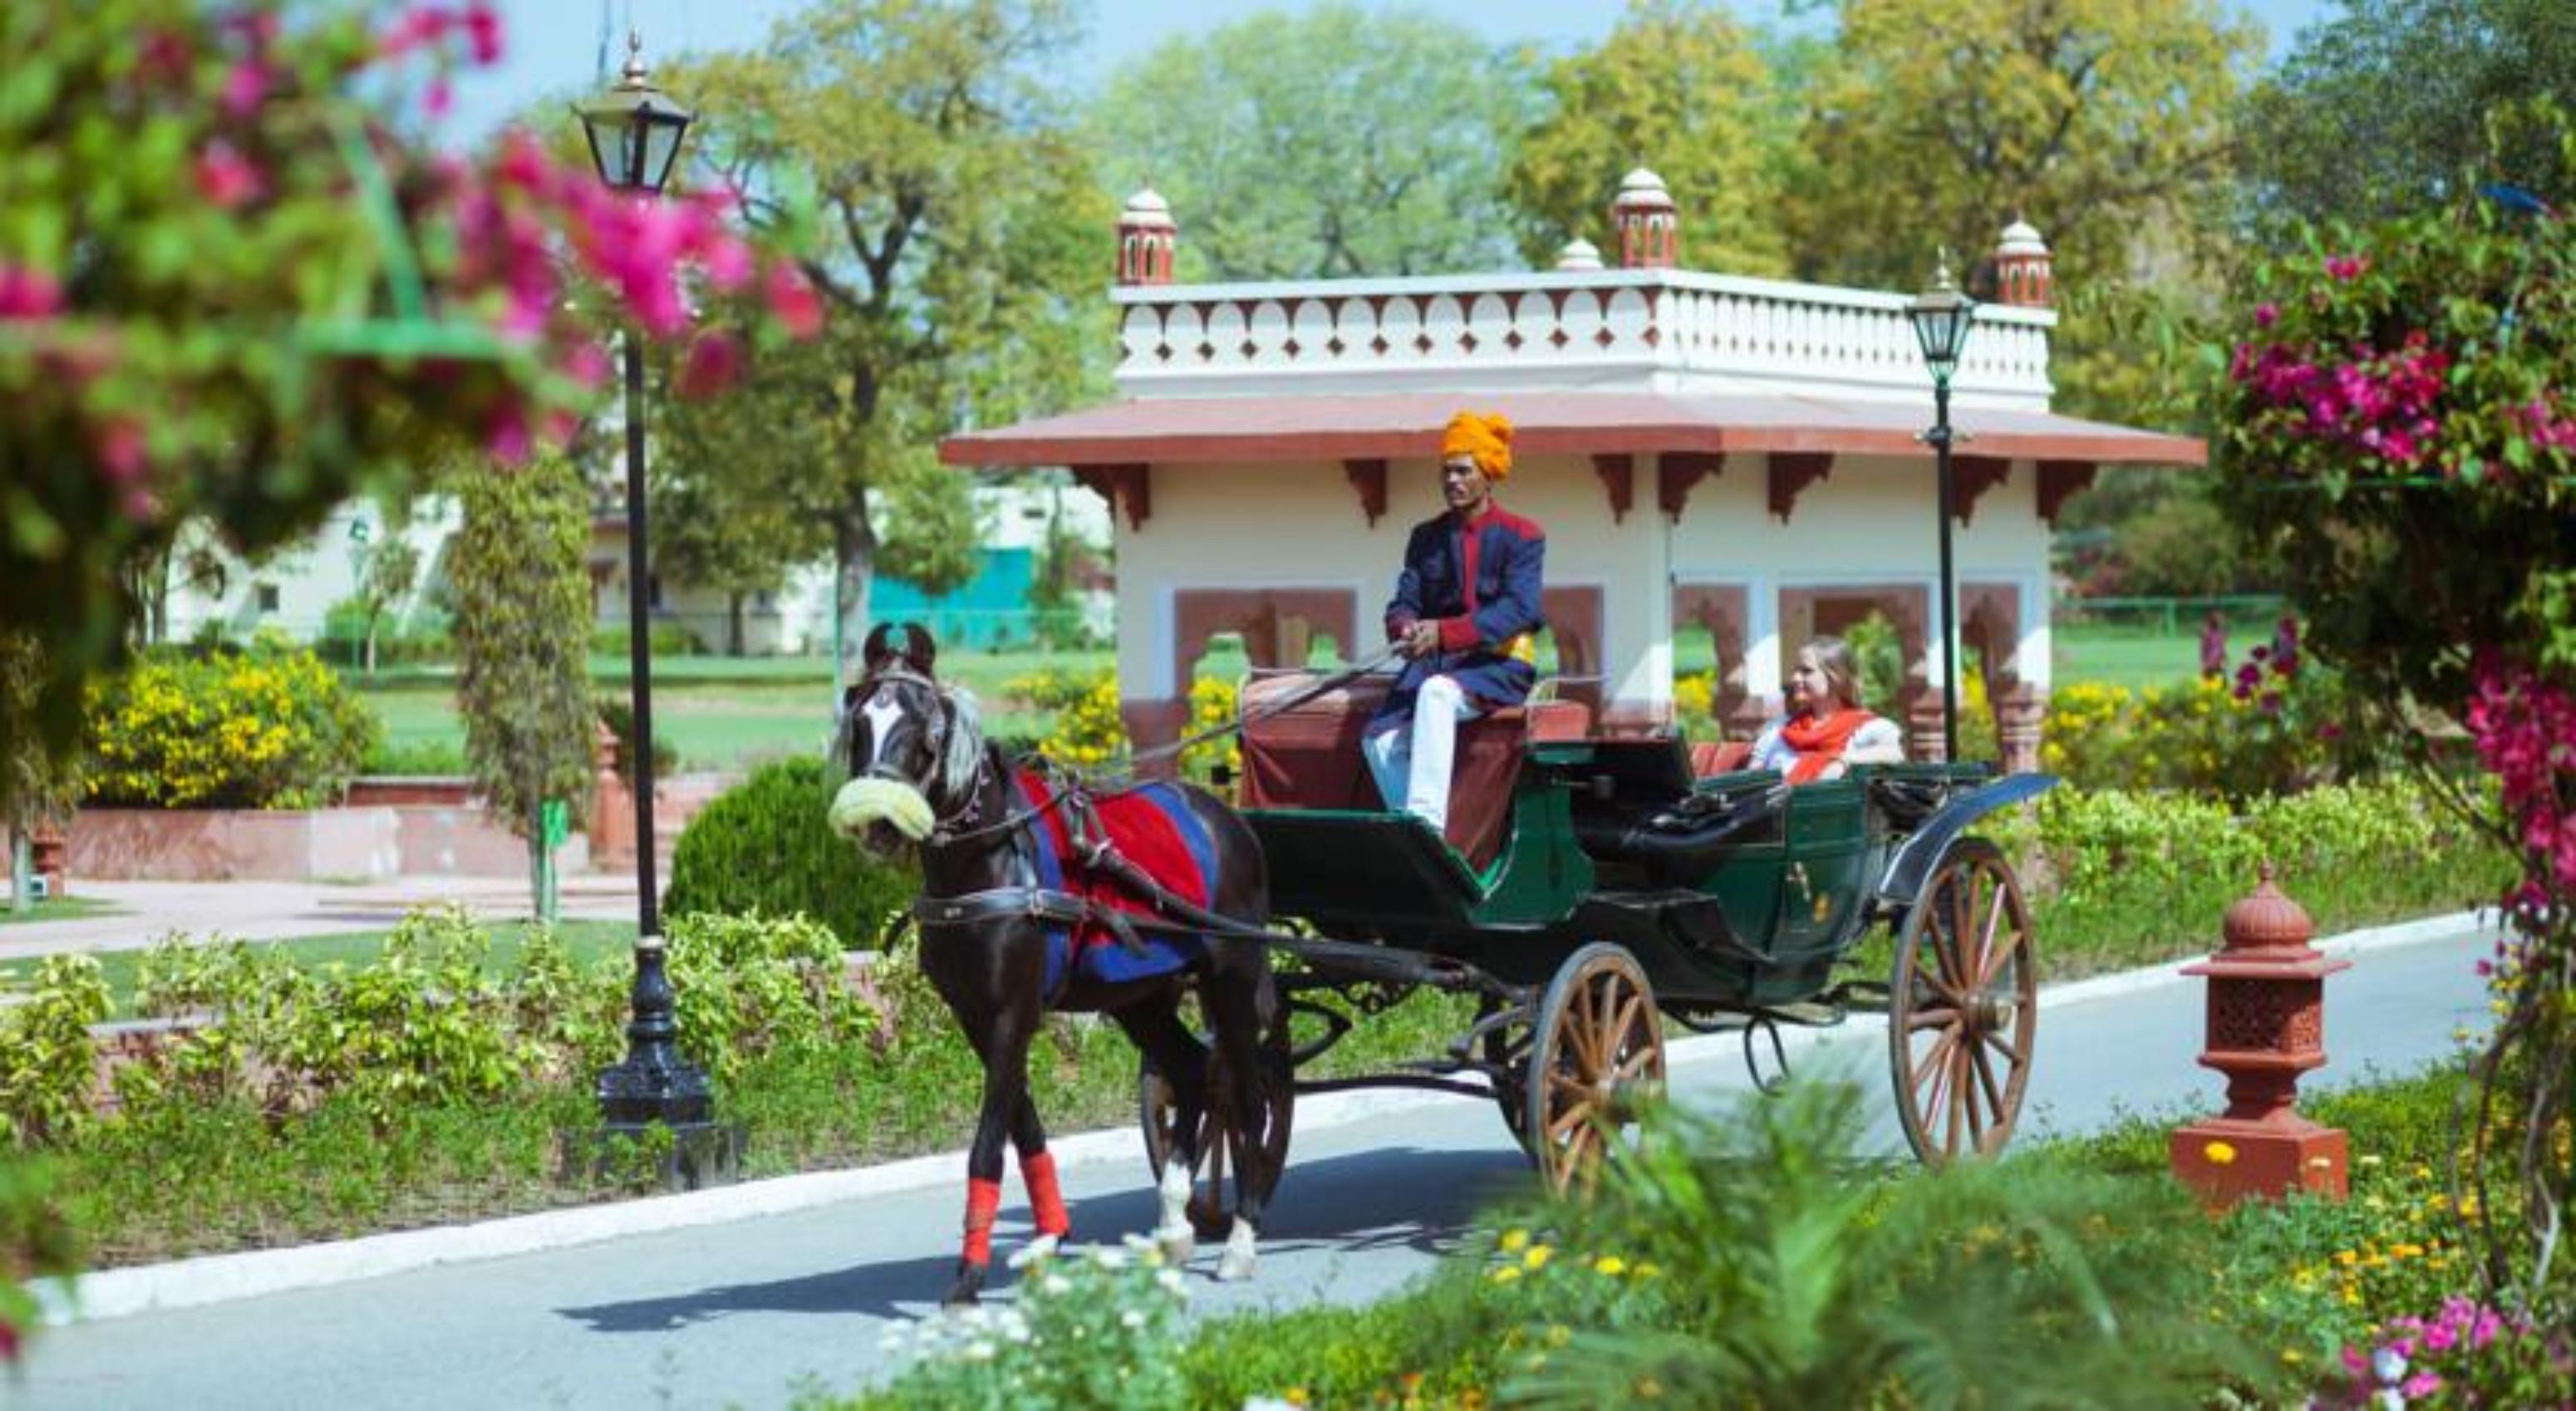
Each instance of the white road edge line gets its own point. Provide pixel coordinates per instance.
(221, 1278)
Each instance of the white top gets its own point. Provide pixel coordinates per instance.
(1878, 737)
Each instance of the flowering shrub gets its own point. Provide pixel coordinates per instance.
(1088, 729)
(2393, 432)
(2210, 737)
(2466, 1354)
(1096, 1329)
(268, 728)
(47, 1066)
(1213, 707)
(232, 286)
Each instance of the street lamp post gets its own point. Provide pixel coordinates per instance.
(1942, 317)
(634, 131)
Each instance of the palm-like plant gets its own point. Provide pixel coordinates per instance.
(1799, 1276)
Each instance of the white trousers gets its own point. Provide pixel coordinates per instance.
(1412, 760)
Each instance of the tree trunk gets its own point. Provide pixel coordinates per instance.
(854, 559)
(22, 870)
(371, 644)
(733, 624)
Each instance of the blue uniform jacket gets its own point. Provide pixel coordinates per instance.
(1480, 582)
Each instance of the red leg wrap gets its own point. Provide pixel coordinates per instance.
(983, 1200)
(1046, 1198)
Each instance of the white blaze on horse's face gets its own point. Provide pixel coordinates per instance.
(882, 712)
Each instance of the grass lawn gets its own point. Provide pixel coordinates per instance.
(55, 909)
(586, 939)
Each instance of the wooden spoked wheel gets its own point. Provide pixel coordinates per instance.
(1963, 1007)
(1597, 1047)
(1212, 1200)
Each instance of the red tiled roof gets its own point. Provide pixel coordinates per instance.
(1359, 426)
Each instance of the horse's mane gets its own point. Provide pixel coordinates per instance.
(965, 744)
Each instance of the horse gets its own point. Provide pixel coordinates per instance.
(918, 772)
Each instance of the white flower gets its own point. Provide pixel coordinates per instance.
(1108, 1258)
(1170, 1280)
(2389, 1399)
(1139, 1243)
(980, 1350)
(1131, 1320)
(1055, 1285)
(2389, 1365)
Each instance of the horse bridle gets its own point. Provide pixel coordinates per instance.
(972, 806)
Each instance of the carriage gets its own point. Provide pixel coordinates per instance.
(1589, 890)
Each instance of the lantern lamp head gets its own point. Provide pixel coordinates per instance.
(634, 128)
(1942, 317)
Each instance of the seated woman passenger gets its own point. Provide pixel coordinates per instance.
(1826, 731)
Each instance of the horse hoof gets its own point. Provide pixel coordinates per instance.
(1234, 1268)
(1177, 1242)
(968, 1289)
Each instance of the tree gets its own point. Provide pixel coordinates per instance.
(36, 786)
(957, 247)
(1333, 143)
(391, 570)
(1679, 86)
(2385, 108)
(523, 614)
(233, 290)
(2105, 122)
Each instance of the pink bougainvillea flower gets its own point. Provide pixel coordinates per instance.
(587, 364)
(794, 301)
(438, 98)
(2346, 268)
(483, 34)
(2266, 315)
(226, 178)
(714, 363)
(245, 88)
(506, 436)
(28, 293)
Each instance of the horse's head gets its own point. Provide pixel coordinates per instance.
(909, 749)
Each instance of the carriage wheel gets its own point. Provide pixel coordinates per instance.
(1597, 1045)
(1963, 1006)
(1211, 1206)
(1508, 1061)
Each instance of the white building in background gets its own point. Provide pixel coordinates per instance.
(293, 590)
(1704, 449)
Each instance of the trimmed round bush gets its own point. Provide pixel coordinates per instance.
(763, 846)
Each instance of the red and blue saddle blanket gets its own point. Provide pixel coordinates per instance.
(1152, 827)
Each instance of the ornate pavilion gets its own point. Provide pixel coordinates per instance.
(1736, 453)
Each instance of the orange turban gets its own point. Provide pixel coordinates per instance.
(1488, 438)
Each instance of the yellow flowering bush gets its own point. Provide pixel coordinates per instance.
(271, 727)
(1088, 730)
(1213, 706)
(2206, 736)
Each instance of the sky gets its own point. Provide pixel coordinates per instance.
(553, 45)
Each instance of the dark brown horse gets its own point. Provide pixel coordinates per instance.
(920, 773)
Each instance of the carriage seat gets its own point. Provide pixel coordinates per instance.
(1308, 757)
(1710, 758)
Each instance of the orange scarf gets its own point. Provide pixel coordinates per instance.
(1819, 741)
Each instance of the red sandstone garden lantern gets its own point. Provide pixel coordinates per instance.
(2266, 1027)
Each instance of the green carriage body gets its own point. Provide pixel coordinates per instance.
(1757, 920)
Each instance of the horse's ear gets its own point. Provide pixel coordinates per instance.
(918, 650)
(873, 652)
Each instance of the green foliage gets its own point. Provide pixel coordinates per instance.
(750, 987)
(617, 712)
(666, 639)
(523, 610)
(2127, 878)
(2282, 734)
(36, 785)
(763, 847)
(2387, 109)
(47, 1063)
(1680, 86)
(955, 237)
(1096, 1330)
(270, 727)
(35, 1241)
(1377, 136)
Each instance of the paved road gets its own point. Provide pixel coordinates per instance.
(733, 1314)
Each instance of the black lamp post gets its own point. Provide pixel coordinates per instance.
(634, 131)
(1942, 317)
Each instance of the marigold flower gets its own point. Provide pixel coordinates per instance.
(2219, 1154)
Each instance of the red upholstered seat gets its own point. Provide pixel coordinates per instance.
(1710, 758)
(1309, 756)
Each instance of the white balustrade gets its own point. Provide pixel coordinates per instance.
(1650, 329)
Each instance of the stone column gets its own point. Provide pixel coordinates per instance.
(612, 812)
(1152, 724)
(2020, 711)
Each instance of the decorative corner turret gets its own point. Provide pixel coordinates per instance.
(1579, 255)
(1648, 225)
(1147, 236)
(2024, 277)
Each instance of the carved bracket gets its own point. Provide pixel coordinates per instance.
(1368, 478)
(1126, 487)
(1676, 472)
(1791, 473)
(1619, 481)
(2059, 480)
(1970, 478)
